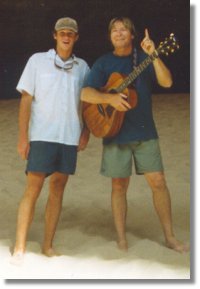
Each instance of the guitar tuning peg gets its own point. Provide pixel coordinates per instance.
(172, 50)
(172, 35)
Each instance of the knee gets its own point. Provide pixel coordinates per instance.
(34, 185)
(32, 191)
(158, 183)
(57, 184)
(119, 187)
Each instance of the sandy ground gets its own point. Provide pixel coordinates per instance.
(85, 234)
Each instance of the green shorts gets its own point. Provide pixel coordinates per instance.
(117, 159)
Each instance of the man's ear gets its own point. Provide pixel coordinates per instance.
(77, 37)
(54, 35)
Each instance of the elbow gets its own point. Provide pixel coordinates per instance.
(169, 83)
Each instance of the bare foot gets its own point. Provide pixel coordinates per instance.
(17, 258)
(123, 245)
(176, 245)
(50, 252)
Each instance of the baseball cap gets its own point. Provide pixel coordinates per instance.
(66, 23)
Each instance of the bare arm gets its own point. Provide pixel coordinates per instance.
(84, 138)
(116, 100)
(24, 117)
(163, 74)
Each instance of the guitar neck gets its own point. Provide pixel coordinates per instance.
(137, 71)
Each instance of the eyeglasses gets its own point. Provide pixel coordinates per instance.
(67, 66)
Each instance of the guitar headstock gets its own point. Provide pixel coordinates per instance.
(169, 45)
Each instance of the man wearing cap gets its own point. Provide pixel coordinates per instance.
(50, 131)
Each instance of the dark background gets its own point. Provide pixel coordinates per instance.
(26, 27)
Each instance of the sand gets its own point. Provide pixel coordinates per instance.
(85, 235)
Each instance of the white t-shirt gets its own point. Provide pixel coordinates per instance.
(55, 113)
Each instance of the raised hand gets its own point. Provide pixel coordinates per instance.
(147, 44)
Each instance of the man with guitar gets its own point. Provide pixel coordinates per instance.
(137, 137)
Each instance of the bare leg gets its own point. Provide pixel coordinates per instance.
(119, 209)
(162, 204)
(26, 211)
(53, 210)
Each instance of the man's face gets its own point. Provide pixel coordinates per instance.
(65, 39)
(120, 36)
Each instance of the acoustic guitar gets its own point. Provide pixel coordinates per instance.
(105, 121)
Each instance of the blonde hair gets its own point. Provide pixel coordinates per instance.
(127, 23)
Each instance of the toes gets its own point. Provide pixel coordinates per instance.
(17, 259)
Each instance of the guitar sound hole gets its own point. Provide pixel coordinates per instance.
(109, 110)
(101, 110)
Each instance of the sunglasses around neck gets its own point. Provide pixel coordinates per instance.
(67, 66)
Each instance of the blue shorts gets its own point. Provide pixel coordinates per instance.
(48, 158)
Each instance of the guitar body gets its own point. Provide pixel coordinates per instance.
(102, 119)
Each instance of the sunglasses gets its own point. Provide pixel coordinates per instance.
(67, 66)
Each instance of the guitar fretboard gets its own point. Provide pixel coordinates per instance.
(136, 72)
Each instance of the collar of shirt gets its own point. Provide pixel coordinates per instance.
(51, 55)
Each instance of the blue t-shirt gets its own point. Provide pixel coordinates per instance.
(138, 123)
